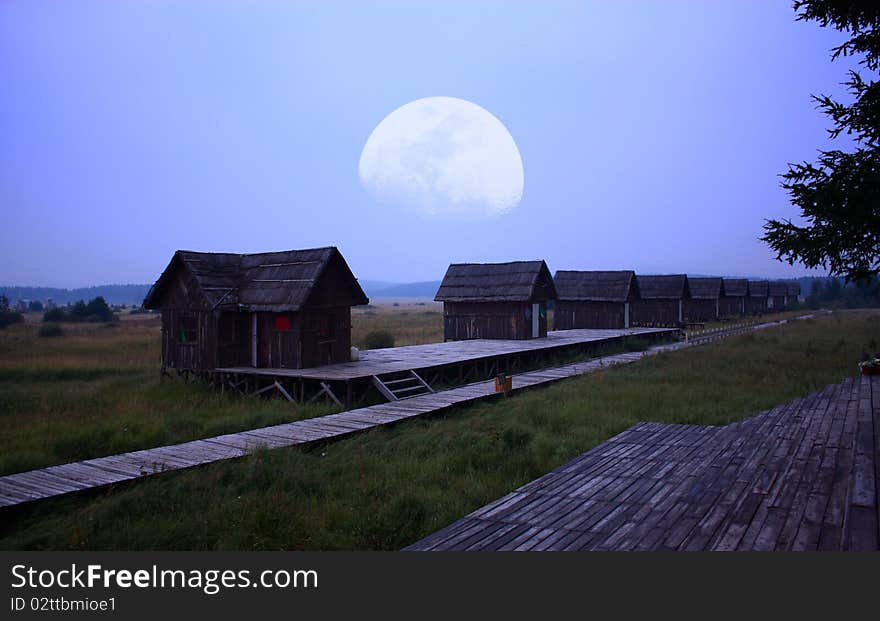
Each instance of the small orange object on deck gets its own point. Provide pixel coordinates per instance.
(503, 383)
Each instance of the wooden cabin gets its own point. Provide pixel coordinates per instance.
(496, 300)
(704, 303)
(777, 295)
(734, 296)
(756, 303)
(288, 309)
(592, 299)
(661, 300)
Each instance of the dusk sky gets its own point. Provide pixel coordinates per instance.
(651, 134)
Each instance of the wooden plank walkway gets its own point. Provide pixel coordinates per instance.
(396, 359)
(802, 476)
(66, 478)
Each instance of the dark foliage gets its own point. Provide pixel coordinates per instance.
(96, 311)
(837, 293)
(35, 306)
(379, 339)
(839, 194)
(51, 330)
(8, 317)
(114, 294)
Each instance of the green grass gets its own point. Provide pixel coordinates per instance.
(96, 391)
(411, 323)
(387, 488)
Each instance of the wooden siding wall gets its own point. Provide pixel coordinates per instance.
(195, 355)
(317, 349)
(656, 313)
(303, 345)
(776, 303)
(226, 340)
(489, 320)
(731, 306)
(700, 310)
(574, 315)
(756, 305)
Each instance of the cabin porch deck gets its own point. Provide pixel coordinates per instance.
(449, 363)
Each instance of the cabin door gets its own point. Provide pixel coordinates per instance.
(536, 320)
(233, 342)
(285, 343)
(326, 338)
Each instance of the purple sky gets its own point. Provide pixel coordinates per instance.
(652, 134)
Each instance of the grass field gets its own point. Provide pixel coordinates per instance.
(410, 322)
(95, 390)
(388, 487)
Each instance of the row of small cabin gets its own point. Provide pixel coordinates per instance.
(509, 300)
(292, 309)
(622, 299)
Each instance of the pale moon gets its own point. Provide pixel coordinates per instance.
(443, 156)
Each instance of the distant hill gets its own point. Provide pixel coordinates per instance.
(425, 289)
(371, 287)
(113, 294)
(135, 294)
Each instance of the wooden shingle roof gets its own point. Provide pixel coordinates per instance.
(269, 281)
(595, 286)
(758, 288)
(706, 288)
(516, 281)
(665, 287)
(736, 287)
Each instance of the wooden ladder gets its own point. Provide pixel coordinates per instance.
(401, 385)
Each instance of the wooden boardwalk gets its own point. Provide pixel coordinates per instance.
(66, 478)
(802, 476)
(62, 479)
(396, 359)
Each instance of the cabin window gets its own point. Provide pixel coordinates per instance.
(282, 323)
(189, 330)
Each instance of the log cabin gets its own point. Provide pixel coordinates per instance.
(777, 295)
(289, 309)
(733, 299)
(496, 300)
(704, 303)
(661, 300)
(594, 299)
(756, 303)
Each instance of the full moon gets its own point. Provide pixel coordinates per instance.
(443, 156)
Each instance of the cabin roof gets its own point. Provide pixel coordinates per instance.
(706, 288)
(778, 288)
(597, 286)
(516, 281)
(736, 287)
(268, 281)
(664, 287)
(758, 288)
